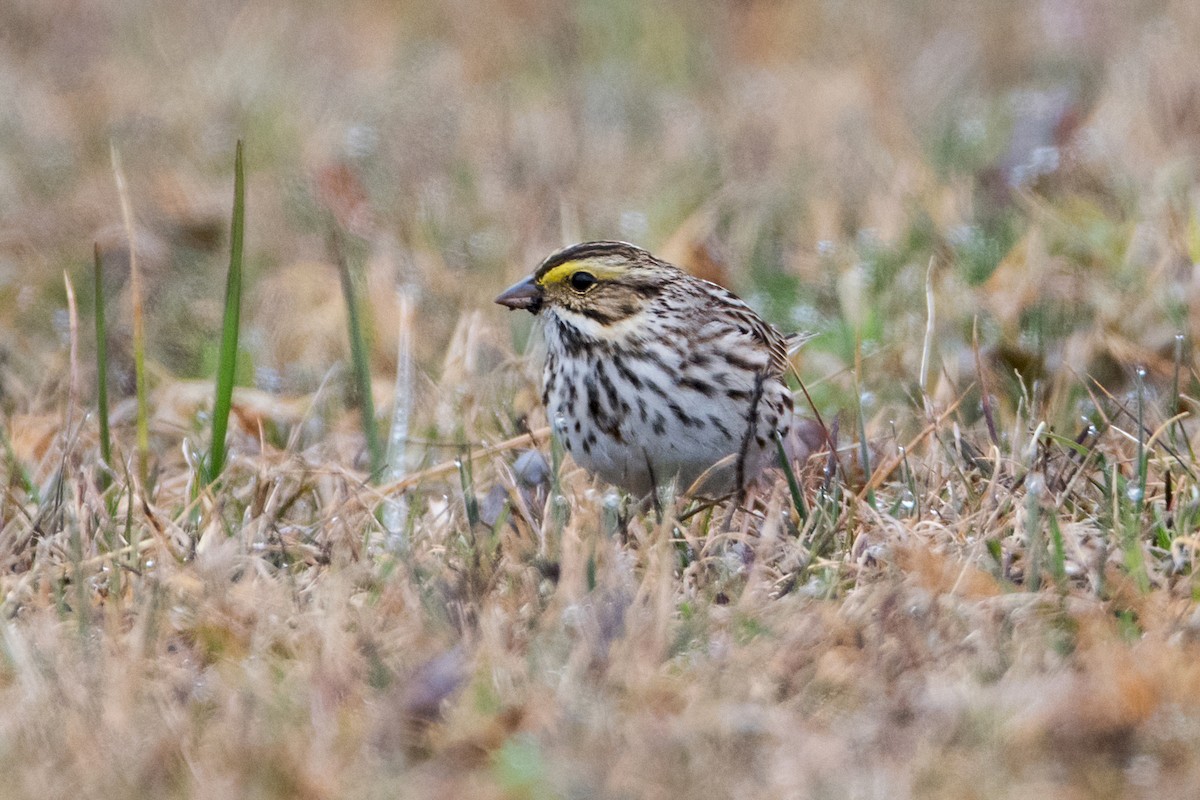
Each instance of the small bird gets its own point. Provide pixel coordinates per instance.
(653, 375)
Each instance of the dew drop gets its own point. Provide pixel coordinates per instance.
(907, 501)
(1134, 493)
(1035, 485)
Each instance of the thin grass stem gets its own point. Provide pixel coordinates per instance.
(139, 324)
(100, 313)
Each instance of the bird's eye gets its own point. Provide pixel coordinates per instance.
(582, 281)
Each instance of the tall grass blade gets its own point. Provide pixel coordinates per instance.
(864, 449)
(793, 484)
(227, 360)
(358, 356)
(1057, 553)
(1178, 432)
(18, 475)
(1143, 457)
(466, 475)
(102, 369)
(139, 324)
(927, 344)
(73, 377)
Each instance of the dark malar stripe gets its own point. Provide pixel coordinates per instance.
(573, 343)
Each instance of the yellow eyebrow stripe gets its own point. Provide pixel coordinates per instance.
(567, 268)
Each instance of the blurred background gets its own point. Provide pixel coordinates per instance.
(985, 212)
(1028, 167)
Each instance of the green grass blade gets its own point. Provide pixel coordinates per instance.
(102, 370)
(227, 360)
(1035, 543)
(466, 474)
(358, 356)
(18, 475)
(143, 404)
(1058, 552)
(793, 484)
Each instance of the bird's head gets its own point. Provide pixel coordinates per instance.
(593, 285)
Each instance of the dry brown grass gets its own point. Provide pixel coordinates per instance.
(990, 607)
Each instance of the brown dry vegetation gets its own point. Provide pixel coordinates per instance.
(991, 605)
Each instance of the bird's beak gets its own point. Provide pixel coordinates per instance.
(526, 295)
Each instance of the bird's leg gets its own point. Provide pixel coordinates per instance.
(658, 515)
(740, 488)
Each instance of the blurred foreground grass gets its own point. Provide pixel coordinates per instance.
(987, 213)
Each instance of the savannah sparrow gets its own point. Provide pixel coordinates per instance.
(652, 374)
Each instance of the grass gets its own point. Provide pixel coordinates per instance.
(99, 312)
(138, 336)
(227, 361)
(987, 217)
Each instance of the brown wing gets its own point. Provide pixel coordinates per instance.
(743, 316)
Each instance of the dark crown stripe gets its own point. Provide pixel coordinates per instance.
(585, 250)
